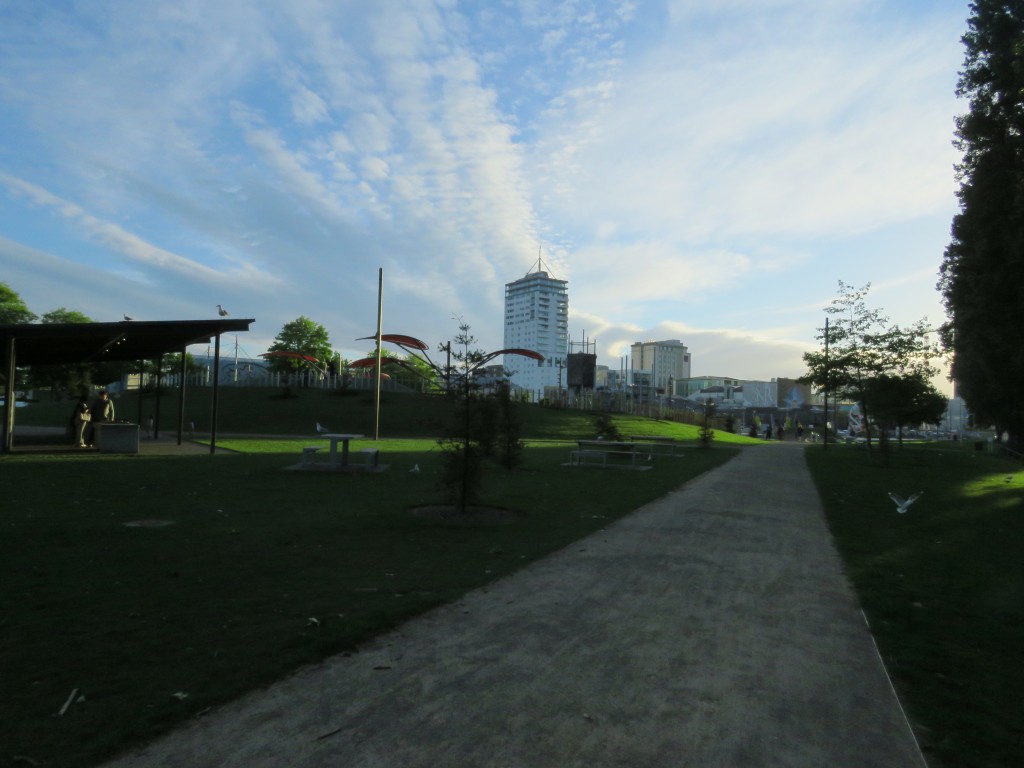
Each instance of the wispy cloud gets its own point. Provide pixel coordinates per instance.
(134, 247)
(678, 162)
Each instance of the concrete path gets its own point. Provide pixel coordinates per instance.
(713, 627)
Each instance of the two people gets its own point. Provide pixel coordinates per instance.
(85, 418)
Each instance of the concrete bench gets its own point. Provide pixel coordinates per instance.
(309, 453)
(372, 456)
(588, 457)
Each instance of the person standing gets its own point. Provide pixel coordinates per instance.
(102, 411)
(79, 420)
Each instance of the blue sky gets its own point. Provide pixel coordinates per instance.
(697, 170)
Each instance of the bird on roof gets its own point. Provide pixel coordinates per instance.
(129, 319)
(902, 505)
(221, 311)
(321, 429)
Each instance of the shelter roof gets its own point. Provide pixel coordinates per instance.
(49, 343)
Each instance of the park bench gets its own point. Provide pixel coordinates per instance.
(372, 456)
(309, 453)
(581, 457)
(600, 453)
(660, 444)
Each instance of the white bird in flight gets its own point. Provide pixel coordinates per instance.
(221, 311)
(902, 505)
(321, 428)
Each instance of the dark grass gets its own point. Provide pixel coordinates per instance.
(262, 571)
(942, 586)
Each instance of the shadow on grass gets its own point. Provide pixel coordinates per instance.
(251, 572)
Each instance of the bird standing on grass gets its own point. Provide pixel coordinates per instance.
(321, 429)
(902, 505)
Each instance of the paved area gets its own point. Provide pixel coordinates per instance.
(713, 627)
(54, 440)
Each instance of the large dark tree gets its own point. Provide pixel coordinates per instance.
(982, 273)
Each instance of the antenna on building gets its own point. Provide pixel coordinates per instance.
(541, 266)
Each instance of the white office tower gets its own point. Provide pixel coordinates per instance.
(659, 364)
(537, 318)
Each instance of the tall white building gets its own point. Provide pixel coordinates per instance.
(659, 363)
(537, 318)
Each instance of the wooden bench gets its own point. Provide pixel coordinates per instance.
(372, 456)
(309, 453)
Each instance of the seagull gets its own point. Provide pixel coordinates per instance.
(415, 468)
(902, 505)
(129, 319)
(221, 311)
(320, 428)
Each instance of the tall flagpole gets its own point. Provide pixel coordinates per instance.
(380, 306)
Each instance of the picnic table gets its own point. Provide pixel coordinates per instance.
(657, 444)
(593, 451)
(344, 440)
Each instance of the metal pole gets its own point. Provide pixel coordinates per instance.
(216, 391)
(181, 399)
(142, 372)
(826, 384)
(8, 423)
(159, 377)
(380, 306)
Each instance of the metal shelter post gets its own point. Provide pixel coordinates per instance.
(216, 393)
(159, 382)
(8, 425)
(380, 304)
(181, 396)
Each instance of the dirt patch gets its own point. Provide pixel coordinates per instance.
(471, 514)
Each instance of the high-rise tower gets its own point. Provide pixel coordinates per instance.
(537, 318)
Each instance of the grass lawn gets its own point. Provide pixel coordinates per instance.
(942, 586)
(259, 571)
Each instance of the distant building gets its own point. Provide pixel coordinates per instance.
(537, 318)
(706, 387)
(658, 365)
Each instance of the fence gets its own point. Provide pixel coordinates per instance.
(265, 379)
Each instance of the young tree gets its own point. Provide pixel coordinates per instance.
(983, 267)
(901, 401)
(861, 345)
(301, 336)
(460, 465)
(12, 309)
(706, 433)
(510, 445)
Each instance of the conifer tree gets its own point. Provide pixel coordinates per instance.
(982, 273)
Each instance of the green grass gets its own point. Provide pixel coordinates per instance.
(254, 411)
(262, 570)
(942, 586)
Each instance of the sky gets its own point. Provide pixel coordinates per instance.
(701, 170)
